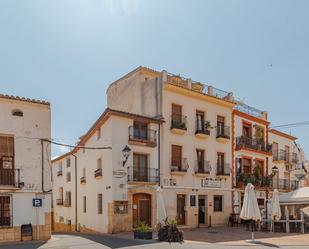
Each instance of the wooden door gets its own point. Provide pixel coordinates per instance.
(141, 209)
(176, 155)
(201, 210)
(181, 213)
(5, 211)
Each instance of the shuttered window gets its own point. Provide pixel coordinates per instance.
(100, 203)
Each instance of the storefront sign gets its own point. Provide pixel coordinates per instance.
(210, 183)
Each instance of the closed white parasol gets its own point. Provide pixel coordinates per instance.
(250, 208)
(161, 212)
(275, 211)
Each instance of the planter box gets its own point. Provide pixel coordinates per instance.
(143, 235)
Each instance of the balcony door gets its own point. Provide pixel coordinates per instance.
(275, 151)
(200, 120)
(140, 167)
(200, 160)
(176, 156)
(7, 160)
(246, 131)
(220, 125)
(176, 113)
(287, 153)
(220, 163)
(140, 130)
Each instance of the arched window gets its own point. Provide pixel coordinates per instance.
(18, 113)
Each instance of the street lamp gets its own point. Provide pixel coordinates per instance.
(126, 153)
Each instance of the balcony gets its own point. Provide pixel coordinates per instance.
(83, 180)
(282, 156)
(243, 142)
(202, 167)
(136, 174)
(59, 173)
(223, 133)
(67, 203)
(146, 137)
(59, 201)
(202, 129)
(281, 184)
(224, 169)
(7, 178)
(97, 174)
(242, 179)
(179, 165)
(178, 124)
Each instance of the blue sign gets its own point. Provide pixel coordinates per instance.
(37, 202)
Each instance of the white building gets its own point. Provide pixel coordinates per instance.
(25, 167)
(188, 138)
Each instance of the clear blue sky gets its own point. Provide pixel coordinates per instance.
(68, 51)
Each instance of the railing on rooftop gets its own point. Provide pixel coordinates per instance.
(249, 110)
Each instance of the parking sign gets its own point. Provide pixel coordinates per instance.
(37, 202)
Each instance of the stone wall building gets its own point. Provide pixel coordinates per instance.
(25, 167)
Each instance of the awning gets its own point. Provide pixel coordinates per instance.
(299, 196)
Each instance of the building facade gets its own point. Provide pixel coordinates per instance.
(25, 167)
(193, 141)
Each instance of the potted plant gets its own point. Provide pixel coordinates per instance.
(207, 127)
(143, 231)
(169, 231)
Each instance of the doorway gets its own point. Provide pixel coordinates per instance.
(141, 209)
(181, 213)
(202, 211)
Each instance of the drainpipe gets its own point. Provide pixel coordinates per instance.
(75, 168)
(159, 153)
(42, 162)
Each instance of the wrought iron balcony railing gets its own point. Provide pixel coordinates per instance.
(202, 167)
(223, 169)
(6, 221)
(59, 201)
(255, 144)
(223, 132)
(10, 177)
(201, 127)
(147, 136)
(178, 122)
(179, 164)
(98, 173)
(137, 174)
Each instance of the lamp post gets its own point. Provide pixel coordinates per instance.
(126, 153)
(274, 171)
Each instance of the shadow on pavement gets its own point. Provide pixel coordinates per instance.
(114, 241)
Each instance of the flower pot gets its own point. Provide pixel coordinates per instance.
(143, 235)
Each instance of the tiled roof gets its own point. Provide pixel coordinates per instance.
(12, 97)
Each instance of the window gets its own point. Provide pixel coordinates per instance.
(220, 124)
(100, 203)
(200, 121)
(246, 130)
(68, 162)
(200, 154)
(218, 203)
(61, 219)
(7, 160)
(176, 156)
(60, 167)
(246, 166)
(84, 204)
(99, 163)
(260, 165)
(17, 113)
(98, 133)
(220, 163)
(5, 211)
(140, 166)
(140, 130)
(68, 198)
(68, 176)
